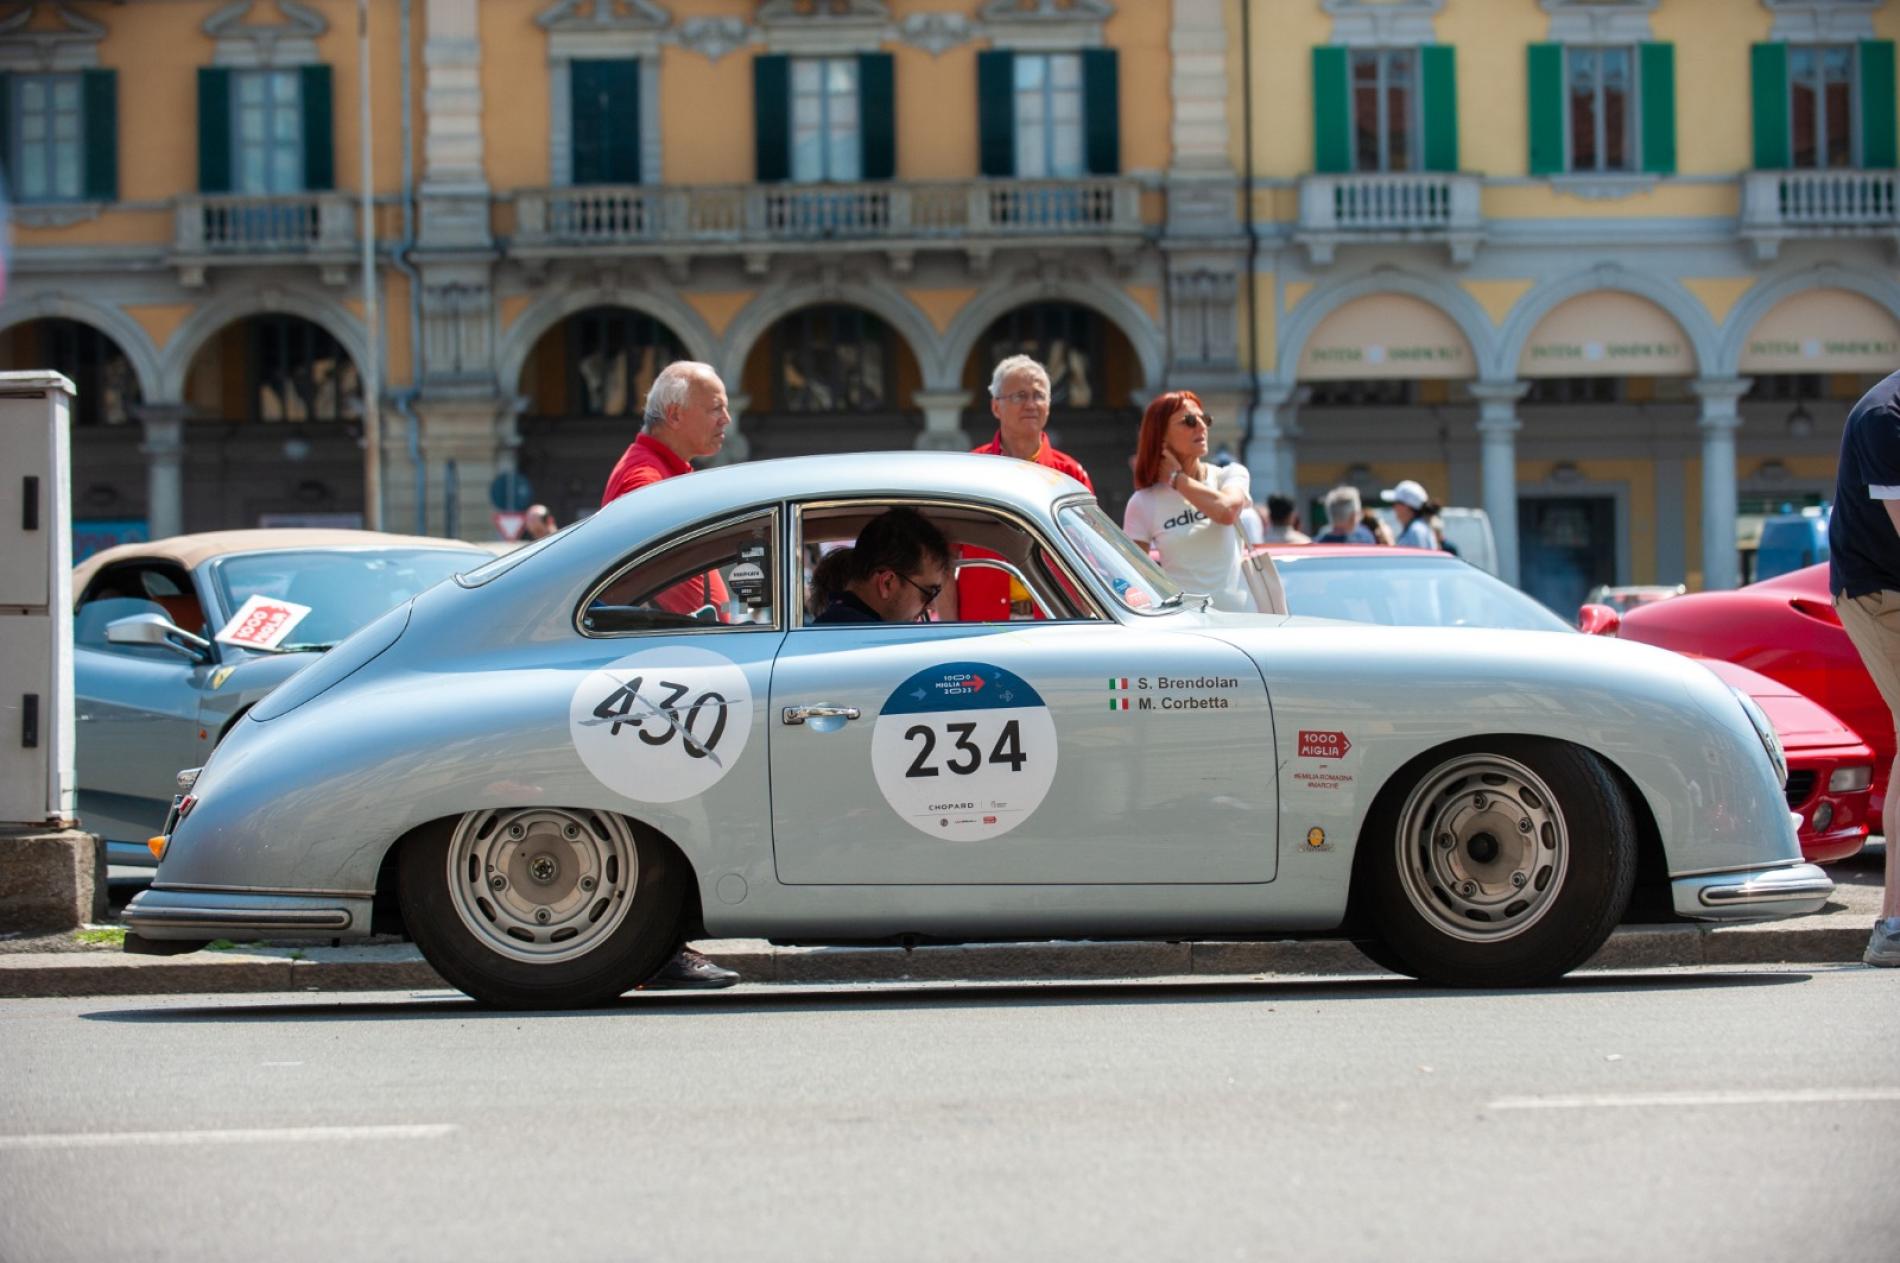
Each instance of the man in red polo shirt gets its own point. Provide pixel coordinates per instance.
(1019, 398)
(686, 419)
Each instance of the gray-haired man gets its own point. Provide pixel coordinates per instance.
(1342, 519)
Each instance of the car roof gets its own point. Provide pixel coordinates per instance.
(192, 551)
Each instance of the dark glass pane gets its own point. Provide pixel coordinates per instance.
(1838, 117)
(1583, 110)
(1066, 339)
(1616, 111)
(1803, 107)
(1398, 103)
(1365, 111)
(613, 354)
(831, 359)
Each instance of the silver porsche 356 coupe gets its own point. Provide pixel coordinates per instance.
(546, 773)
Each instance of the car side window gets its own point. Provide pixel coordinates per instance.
(721, 576)
(158, 583)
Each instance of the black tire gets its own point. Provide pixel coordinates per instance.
(1495, 869)
(463, 926)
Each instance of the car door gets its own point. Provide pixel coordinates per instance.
(1067, 750)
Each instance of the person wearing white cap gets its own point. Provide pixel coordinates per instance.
(1414, 510)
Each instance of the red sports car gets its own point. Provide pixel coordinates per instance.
(1829, 767)
(1786, 629)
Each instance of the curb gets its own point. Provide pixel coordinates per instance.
(400, 967)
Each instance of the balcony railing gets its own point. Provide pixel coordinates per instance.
(1777, 205)
(1338, 209)
(300, 223)
(765, 214)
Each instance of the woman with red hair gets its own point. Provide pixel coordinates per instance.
(1184, 507)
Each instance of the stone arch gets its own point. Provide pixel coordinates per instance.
(1110, 302)
(130, 336)
(1769, 292)
(1461, 308)
(1678, 303)
(211, 319)
(759, 315)
(519, 341)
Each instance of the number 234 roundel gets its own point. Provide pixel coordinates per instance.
(964, 751)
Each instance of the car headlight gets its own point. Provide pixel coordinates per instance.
(1766, 731)
(1846, 780)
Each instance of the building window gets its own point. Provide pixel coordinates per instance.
(299, 372)
(49, 138)
(831, 359)
(1385, 114)
(613, 355)
(267, 131)
(1575, 390)
(826, 135)
(1821, 105)
(1602, 108)
(1049, 139)
(1355, 392)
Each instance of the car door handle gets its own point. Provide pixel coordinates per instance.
(799, 714)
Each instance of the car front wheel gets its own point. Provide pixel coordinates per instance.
(1495, 870)
(541, 907)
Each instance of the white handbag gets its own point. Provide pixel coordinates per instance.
(1262, 576)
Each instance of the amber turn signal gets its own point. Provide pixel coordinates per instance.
(156, 846)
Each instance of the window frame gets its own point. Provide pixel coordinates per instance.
(17, 144)
(773, 511)
(854, 140)
(1632, 112)
(271, 146)
(1382, 87)
(1095, 614)
(1819, 49)
(1048, 123)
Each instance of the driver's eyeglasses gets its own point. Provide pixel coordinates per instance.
(929, 591)
(1021, 397)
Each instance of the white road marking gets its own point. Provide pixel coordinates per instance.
(280, 1063)
(224, 1136)
(1642, 1100)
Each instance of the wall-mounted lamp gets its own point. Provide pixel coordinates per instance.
(1771, 471)
(1360, 476)
(1565, 474)
(1800, 422)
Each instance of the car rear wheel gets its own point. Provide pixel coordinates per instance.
(1497, 870)
(541, 907)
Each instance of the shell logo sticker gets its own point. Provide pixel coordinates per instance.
(964, 751)
(662, 725)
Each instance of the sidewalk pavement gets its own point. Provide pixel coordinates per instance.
(1838, 934)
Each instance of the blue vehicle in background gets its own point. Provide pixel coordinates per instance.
(1790, 542)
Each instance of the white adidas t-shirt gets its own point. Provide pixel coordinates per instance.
(1197, 552)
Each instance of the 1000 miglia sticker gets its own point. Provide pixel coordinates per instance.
(964, 751)
(662, 725)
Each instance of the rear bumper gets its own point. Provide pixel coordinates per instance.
(1753, 894)
(200, 916)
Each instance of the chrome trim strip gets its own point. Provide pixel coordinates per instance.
(266, 890)
(238, 918)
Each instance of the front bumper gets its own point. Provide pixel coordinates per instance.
(1752, 894)
(163, 914)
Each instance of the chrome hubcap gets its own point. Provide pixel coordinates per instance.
(1482, 848)
(542, 884)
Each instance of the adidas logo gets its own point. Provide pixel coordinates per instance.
(1190, 518)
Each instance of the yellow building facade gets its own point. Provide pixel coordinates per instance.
(1612, 271)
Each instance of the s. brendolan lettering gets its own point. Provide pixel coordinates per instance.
(1197, 682)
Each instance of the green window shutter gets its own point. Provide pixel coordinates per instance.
(319, 137)
(1101, 111)
(214, 129)
(1546, 67)
(877, 115)
(1657, 64)
(604, 113)
(100, 91)
(772, 116)
(996, 112)
(1768, 77)
(1438, 75)
(1332, 111)
(1876, 104)
(6, 128)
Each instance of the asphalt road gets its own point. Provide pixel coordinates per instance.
(1732, 1114)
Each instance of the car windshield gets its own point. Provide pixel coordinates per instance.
(1124, 569)
(1401, 591)
(344, 588)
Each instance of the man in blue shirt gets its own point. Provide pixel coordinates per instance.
(1863, 537)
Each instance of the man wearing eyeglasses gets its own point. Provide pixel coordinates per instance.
(899, 565)
(1019, 399)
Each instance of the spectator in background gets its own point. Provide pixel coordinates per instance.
(1375, 526)
(1342, 519)
(539, 523)
(1415, 511)
(1186, 507)
(1280, 528)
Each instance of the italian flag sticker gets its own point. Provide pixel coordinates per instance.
(1117, 692)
